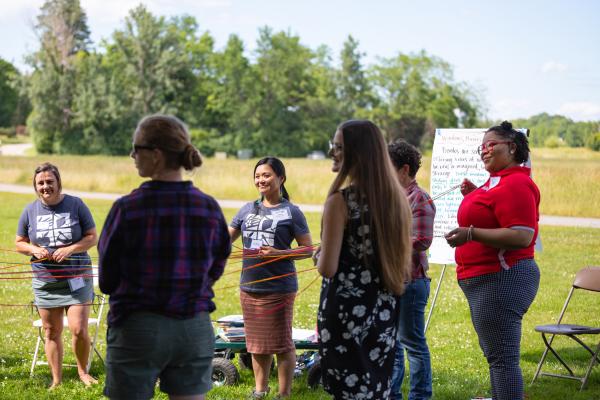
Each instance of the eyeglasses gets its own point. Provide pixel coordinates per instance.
(489, 145)
(137, 147)
(335, 147)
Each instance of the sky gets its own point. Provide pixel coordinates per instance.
(524, 57)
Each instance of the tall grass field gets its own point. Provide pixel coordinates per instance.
(569, 179)
(570, 185)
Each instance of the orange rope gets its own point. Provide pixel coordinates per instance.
(267, 279)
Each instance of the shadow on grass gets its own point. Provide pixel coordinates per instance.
(577, 358)
(576, 354)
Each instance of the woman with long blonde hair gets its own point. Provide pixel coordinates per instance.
(365, 261)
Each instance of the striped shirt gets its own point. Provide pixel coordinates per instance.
(423, 213)
(162, 248)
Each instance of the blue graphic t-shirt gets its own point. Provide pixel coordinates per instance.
(276, 227)
(53, 227)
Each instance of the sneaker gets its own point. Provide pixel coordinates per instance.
(259, 395)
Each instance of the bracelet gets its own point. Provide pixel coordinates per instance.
(470, 234)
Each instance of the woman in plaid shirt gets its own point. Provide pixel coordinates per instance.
(161, 250)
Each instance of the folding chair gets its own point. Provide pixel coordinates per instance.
(587, 279)
(93, 322)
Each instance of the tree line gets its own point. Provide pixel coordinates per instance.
(283, 99)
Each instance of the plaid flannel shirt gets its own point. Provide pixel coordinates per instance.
(162, 248)
(423, 213)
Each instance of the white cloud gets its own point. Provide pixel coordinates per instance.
(21, 11)
(510, 108)
(553, 66)
(580, 110)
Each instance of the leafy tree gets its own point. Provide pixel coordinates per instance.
(593, 142)
(544, 126)
(233, 88)
(354, 87)
(417, 94)
(323, 111)
(149, 65)
(282, 87)
(63, 32)
(9, 97)
(150, 60)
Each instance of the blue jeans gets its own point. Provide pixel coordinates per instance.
(411, 336)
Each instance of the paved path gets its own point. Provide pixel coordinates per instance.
(236, 204)
(15, 149)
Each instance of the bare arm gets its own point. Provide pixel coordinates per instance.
(302, 240)
(334, 221)
(234, 234)
(24, 246)
(500, 238)
(89, 240)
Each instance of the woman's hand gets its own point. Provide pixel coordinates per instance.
(316, 255)
(40, 253)
(62, 253)
(457, 237)
(467, 187)
(268, 251)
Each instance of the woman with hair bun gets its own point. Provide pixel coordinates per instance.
(268, 227)
(498, 226)
(161, 250)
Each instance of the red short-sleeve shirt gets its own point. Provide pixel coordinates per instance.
(509, 199)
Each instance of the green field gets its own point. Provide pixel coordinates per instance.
(569, 179)
(459, 370)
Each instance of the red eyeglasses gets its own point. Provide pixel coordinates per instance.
(489, 145)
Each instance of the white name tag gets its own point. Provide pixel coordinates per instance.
(76, 284)
(494, 181)
(281, 214)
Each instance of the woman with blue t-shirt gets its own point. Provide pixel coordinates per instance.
(56, 230)
(268, 226)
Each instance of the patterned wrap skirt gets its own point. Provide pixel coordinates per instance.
(268, 322)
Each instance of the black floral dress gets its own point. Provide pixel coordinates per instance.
(357, 318)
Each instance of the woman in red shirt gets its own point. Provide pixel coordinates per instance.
(498, 226)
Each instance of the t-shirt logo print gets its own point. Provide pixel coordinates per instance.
(260, 229)
(54, 229)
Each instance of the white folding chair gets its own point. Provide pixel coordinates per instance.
(93, 323)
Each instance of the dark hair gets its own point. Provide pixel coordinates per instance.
(47, 167)
(505, 129)
(401, 152)
(170, 135)
(279, 169)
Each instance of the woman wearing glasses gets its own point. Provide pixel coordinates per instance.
(365, 262)
(162, 248)
(495, 254)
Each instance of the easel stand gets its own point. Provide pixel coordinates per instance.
(435, 295)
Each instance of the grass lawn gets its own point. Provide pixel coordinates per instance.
(459, 370)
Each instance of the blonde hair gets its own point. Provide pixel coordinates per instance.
(368, 168)
(169, 134)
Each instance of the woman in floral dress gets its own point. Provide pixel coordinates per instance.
(365, 261)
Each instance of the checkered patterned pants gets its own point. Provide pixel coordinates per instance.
(498, 302)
